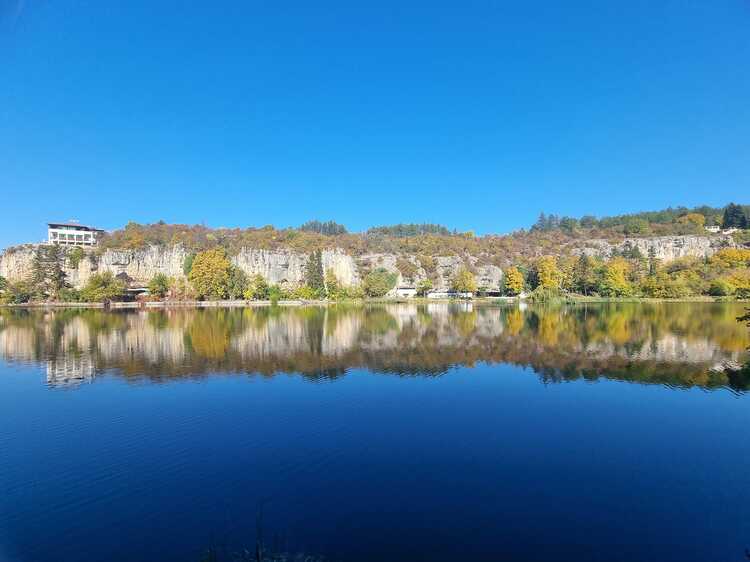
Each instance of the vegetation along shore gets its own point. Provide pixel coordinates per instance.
(679, 253)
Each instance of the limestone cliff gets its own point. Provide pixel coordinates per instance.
(287, 267)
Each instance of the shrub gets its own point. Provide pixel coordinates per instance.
(424, 287)
(75, 256)
(103, 287)
(377, 283)
(257, 288)
(18, 293)
(159, 285)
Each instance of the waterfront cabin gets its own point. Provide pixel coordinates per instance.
(72, 234)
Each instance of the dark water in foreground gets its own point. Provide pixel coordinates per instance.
(396, 433)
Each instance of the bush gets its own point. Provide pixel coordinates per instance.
(377, 283)
(257, 289)
(159, 285)
(18, 293)
(721, 288)
(103, 287)
(424, 287)
(67, 294)
(74, 257)
(237, 283)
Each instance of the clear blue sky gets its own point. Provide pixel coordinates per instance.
(477, 115)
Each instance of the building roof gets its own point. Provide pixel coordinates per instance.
(75, 225)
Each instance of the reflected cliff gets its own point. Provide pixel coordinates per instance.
(681, 345)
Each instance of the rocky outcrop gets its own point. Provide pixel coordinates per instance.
(665, 248)
(287, 267)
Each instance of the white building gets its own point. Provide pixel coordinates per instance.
(407, 292)
(713, 229)
(72, 234)
(449, 295)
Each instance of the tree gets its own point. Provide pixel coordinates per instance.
(584, 276)
(3, 283)
(694, 219)
(103, 287)
(514, 283)
(159, 285)
(378, 282)
(257, 288)
(209, 274)
(187, 264)
(547, 273)
(75, 255)
(329, 228)
(424, 287)
(734, 217)
(47, 275)
(588, 221)
(314, 273)
(636, 226)
(614, 281)
(464, 281)
(333, 287)
(653, 262)
(18, 293)
(237, 282)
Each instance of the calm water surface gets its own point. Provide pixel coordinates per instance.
(403, 433)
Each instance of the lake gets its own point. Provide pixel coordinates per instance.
(439, 432)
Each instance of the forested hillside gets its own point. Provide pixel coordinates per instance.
(549, 235)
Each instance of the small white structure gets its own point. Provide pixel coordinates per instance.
(713, 229)
(72, 234)
(408, 292)
(449, 295)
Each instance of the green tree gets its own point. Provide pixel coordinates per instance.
(237, 283)
(75, 255)
(257, 288)
(187, 264)
(314, 273)
(159, 285)
(424, 287)
(734, 217)
(103, 287)
(513, 281)
(636, 226)
(378, 282)
(18, 293)
(209, 274)
(334, 290)
(584, 275)
(47, 275)
(464, 281)
(3, 283)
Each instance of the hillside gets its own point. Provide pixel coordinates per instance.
(666, 253)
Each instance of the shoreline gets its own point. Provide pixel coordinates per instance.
(565, 300)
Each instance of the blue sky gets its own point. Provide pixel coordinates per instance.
(477, 115)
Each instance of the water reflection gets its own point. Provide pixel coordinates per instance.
(673, 344)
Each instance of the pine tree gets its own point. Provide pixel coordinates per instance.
(314, 273)
(734, 217)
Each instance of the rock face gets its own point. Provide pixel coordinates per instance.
(286, 267)
(665, 248)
